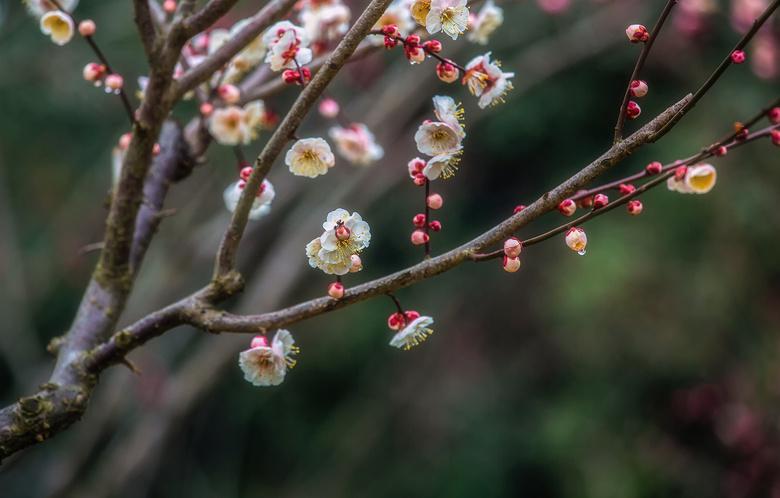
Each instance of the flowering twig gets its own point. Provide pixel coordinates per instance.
(725, 63)
(643, 54)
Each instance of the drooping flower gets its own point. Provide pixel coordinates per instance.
(577, 240)
(262, 203)
(228, 126)
(58, 26)
(310, 157)
(444, 165)
(38, 8)
(287, 46)
(325, 21)
(450, 16)
(489, 18)
(356, 143)
(486, 80)
(416, 332)
(265, 365)
(698, 179)
(436, 137)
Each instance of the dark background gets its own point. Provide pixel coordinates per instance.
(649, 367)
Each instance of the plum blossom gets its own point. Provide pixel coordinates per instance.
(443, 165)
(310, 157)
(489, 18)
(265, 365)
(228, 126)
(345, 235)
(325, 21)
(339, 267)
(486, 80)
(450, 16)
(356, 143)
(413, 334)
(436, 137)
(38, 8)
(287, 46)
(58, 26)
(262, 203)
(446, 110)
(577, 240)
(397, 14)
(698, 179)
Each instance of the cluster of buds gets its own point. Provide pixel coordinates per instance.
(416, 167)
(392, 34)
(413, 50)
(98, 75)
(421, 235)
(512, 249)
(397, 321)
(637, 33)
(297, 77)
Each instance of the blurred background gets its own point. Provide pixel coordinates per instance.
(648, 367)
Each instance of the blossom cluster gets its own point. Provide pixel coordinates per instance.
(336, 251)
(264, 196)
(267, 365)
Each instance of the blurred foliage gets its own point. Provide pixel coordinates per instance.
(646, 368)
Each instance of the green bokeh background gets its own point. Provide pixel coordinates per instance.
(646, 368)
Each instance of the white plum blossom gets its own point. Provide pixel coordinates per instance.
(436, 137)
(450, 16)
(310, 157)
(345, 235)
(489, 18)
(58, 26)
(265, 365)
(356, 143)
(447, 111)
(255, 117)
(443, 165)
(38, 8)
(486, 80)
(287, 45)
(325, 21)
(413, 334)
(228, 126)
(699, 179)
(262, 203)
(249, 56)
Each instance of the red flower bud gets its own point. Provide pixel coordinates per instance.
(599, 201)
(419, 220)
(626, 188)
(738, 56)
(633, 110)
(435, 226)
(567, 207)
(654, 168)
(634, 207)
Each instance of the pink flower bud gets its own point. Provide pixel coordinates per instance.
(206, 109)
(633, 110)
(639, 88)
(411, 315)
(634, 207)
(680, 172)
(433, 46)
(390, 30)
(626, 188)
(87, 27)
(413, 40)
(415, 55)
(512, 247)
(329, 108)
(259, 341)
(419, 220)
(435, 226)
(124, 141)
(654, 168)
(396, 321)
(156, 150)
(720, 151)
(169, 6)
(637, 33)
(435, 201)
(774, 115)
(336, 290)
(94, 71)
(518, 208)
(567, 207)
(599, 201)
(511, 265)
(356, 264)
(229, 93)
(419, 180)
(245, 173)
(415, 166)
(291, 77)
(738, 56)
(447, 72)
(390, 42)
(419, 237)
(775, 134)
(742, 132)
(577, 240)
(114, 82)
(586, 201)
(343, 233)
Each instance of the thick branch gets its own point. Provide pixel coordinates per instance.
(214, 62)
(205, 17)
(145, 24)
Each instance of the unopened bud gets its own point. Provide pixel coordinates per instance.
(336, 290)
(626, 188)
(114, 82)
(447, 72)
(396, 321)
(229, 93)
(87, 27)
(512, 247)
(633, 110)
(637, 33)
(599, 201)
(567, 207)
(433, 46)
(634, 207)
(577, 240)
(169, 6)
(639, 88)
(94, 71)
(738, 56)
(329, 108)
(654, 168)
(206, 109)
(775, 134)
(435, 226)
(435, 201)
(511, 265)
(419, 220)
(419, 237)
(259, 341)
(774, 115)
(518, 208)
(343, 233)
(245, 172)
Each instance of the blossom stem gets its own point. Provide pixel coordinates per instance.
(427, 219)
(240, 157)
(648, 46)
(103, 60)
(396, 302)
